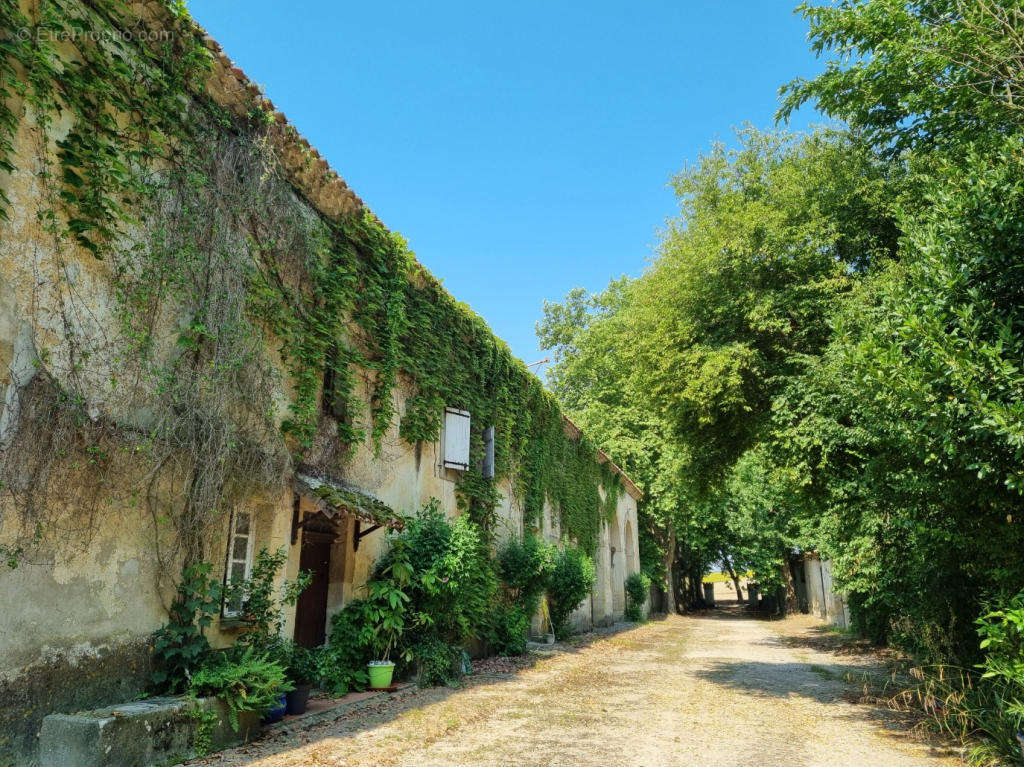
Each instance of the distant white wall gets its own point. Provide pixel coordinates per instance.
(822, 599)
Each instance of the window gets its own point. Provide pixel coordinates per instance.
(456, 439)
(239, 560)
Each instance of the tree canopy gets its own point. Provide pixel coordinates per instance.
(826, 352)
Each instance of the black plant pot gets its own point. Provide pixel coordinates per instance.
(298, 698)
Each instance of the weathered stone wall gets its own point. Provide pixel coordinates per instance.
(81, 605)
(66, 678)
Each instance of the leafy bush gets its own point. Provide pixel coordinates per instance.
(341, 664)
(637, 588)
(437, 662)
(301, 665)
(335, 671)
(572, 578)
(524, 566)
(1002, 639)
(436, 581)
(453, 583)
(245, 681)
(180, 646)
(508, 629)
(262, 609)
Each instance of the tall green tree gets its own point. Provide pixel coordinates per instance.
(589, 336)
(674, 373)
(917, 76)
(903, 444)
(769, 237)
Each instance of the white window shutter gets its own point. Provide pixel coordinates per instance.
(456, 439)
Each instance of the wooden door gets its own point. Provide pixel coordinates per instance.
(311, 610)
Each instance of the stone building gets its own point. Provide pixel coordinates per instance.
(114, 472)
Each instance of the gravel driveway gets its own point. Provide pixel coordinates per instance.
(718, 690)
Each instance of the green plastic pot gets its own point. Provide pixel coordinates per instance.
(380, 674)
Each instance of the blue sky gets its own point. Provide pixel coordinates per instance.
(522, 148)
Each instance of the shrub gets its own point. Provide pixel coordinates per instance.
(335, 671)
(524, 566)
(435, 582)
(1002, 639)
(508, 629)
(572, 578)
(471, 584)
(301, 666)
(637, 588)
(261, 607)
(245, 681)
(437, 662)
(453, 583)
(341, 665)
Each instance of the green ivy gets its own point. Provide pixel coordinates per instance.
(340, 296)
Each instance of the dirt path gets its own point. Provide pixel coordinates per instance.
(721, 690)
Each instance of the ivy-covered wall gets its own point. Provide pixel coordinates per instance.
(193, 305)
(151, 163)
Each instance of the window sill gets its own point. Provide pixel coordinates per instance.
(233, 624)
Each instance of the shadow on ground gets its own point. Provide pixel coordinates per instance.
(854, 674)
(380, 712)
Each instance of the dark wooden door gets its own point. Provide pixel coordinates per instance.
(311, 609)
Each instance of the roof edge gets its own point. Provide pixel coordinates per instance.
(305, 169)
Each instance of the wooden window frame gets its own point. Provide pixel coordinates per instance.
(229, 560)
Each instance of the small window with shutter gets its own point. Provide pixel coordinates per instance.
(456, 439)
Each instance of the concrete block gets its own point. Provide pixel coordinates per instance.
(146, 733)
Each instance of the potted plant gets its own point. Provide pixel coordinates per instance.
(386, 620)
(385, 613)
(277, 710)
(246, 682)
(302, 672)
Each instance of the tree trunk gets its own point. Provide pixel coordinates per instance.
(790, 603)
(671, 605)
(735, 578)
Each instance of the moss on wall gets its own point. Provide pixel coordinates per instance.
(75, 679)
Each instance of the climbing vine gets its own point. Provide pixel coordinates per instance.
(218, 264)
